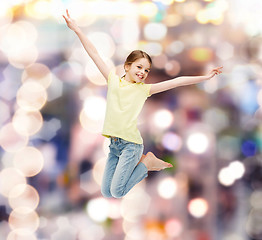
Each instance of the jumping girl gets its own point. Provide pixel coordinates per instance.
(126, 164)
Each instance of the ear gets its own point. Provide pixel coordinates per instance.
(127, 67)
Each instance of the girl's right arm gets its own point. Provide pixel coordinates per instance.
(89, 47)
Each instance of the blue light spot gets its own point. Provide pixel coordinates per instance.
(249, 148)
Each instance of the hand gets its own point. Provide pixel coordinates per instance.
(214, 72)
(70, 22)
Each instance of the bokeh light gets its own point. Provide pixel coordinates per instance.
(98, 209)
(104, 43)
(147, 9)
(175, 47)
(197, 142)
(23, 196)
(23, 218)
(6, 14)
(10, 140)
(237, 168)
(172, 141)
(38, 72)
(225, 177)
(198, 207)
(10, 178)
(31, 96)
(162, 118)
(155, 31)
(95, 108)
(39, 9)
(89, 124)
(29, 161)
(249, 148)
(22, 54)
(21, 234)
(5, 110)
(160, 61)
(167, 188)
(228, 175)
(94, 75)
(255, 199)
(98, 170)
(173, 227)
(201, 54)
(152, 48)
(172, 68)
(27, 123)
(216, 118)
(22, 30)
(168, 2)
(133, 201)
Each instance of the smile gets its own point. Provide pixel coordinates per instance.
(140, 76)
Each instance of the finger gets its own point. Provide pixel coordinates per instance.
(65, 19)
(67, 13)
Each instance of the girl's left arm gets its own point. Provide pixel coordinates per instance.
(182, 81)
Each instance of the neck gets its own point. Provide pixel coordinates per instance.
(127, 78)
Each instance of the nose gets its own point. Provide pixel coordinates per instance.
(142, 71)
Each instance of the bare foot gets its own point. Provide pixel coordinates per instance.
(153, 163)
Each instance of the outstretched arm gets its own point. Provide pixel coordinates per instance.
(89, 47)
(182, 81)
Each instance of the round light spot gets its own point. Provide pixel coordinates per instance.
(173, 227)
(162, 119)
(89, 124)
(95, 108)
(21, 234)
(23, 218)
(148, 9)
(98, 170)
(37, 72)
(201, 54)
(172, 141)
(27, 123)
(155, 31)
(237, 168)
(197, 143)
(23, 195)
(10, 140)
(10, 178)
(167, 188)
(29, 161)
(31, 96)
(98, 209)
(198, 207)
(225, 177)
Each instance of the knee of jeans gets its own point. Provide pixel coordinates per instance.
(106, 193)
(117, 193)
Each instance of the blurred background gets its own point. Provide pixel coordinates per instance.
(52, 101)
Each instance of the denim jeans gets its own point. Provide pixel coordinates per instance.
(121, 170)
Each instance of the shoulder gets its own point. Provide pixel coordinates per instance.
(112, 76)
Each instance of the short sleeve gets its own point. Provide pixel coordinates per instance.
(147, 89)
(112, 75)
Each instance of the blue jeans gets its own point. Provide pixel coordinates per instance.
(121, 170)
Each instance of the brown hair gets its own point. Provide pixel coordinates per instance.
(135, 55)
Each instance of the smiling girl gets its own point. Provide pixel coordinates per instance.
(126, 164)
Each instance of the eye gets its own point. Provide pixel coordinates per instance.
(147, 71)
(139, 67)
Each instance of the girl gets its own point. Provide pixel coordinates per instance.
(126, 165)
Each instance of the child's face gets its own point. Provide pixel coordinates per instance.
(138, 70)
